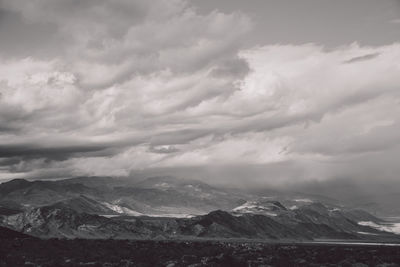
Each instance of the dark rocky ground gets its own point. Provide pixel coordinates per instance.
(26, 251)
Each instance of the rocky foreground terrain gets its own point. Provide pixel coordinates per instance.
(56, 252)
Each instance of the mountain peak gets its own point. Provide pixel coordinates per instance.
(16, 181)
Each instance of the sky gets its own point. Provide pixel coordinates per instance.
(249, 92)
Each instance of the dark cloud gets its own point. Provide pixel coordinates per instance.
(232, 67)
(53, 152)
(111, 87)
(362, 58)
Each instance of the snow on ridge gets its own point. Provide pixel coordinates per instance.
(247, 205)
(126, 211)
(366, 233)
(388, 227)
(122, 210)
(255, 208)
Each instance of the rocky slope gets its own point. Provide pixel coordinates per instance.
(166, 207)
(314, 221)
(102, 195)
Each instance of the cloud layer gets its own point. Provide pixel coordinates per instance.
(118, 87)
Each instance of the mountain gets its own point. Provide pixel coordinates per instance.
(221, 224)
(173, 192)
(170, 182)
(168, 207)
(98, 182)
(307, 223)
(160, 196)
(60, 222)
(263, 207)
(23, 193)
(371, 195)
(83, 204)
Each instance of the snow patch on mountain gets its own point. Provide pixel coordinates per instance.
(366, 233)
(122, 210)
(306, 200)
(255, 207)
(389, 227)
(246, 206)
(334, 209)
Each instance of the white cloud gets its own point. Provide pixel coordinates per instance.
(143, 85)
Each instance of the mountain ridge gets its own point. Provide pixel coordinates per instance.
(167, 207)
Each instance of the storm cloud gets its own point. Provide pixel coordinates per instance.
(124, 87)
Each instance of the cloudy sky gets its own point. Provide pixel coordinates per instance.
(258, 90)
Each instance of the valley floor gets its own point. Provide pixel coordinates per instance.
(83, 252)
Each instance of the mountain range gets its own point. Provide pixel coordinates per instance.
(173, 208)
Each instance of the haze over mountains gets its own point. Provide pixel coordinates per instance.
(173, 208)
